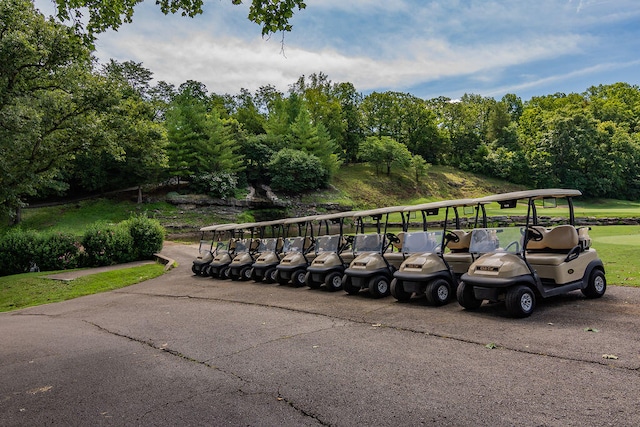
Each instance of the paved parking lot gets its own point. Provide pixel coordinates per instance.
(183, 350)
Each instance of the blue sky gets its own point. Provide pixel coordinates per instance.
(427, 48)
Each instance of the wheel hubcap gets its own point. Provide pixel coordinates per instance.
(598, 284)
(336, 282)
(382, 286)
(443, 293)
(526, 302)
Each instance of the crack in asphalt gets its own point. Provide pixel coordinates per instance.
(182, 356)
(397, 328)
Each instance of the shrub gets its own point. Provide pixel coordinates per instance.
(18, 251)
(295, 171)
(107, 244)
(58, 251)
(215, 184)
(147, 235)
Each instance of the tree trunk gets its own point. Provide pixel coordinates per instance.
(139, 194)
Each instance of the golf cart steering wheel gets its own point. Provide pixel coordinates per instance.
(393, 238)
(517, 245)
(534, 234)
(452, 237)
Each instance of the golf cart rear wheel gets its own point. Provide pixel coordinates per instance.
(398, 291)
(308, 280)
(297, 279)
(466, 297)
(438, 292)
(520, 301)
(379, 286)
(270, 275)
(597, 285)
(348, 286)
(333, 281)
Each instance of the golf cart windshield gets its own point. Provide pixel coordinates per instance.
(368, 243)
(242, 245)
(328, 243)
(485, 240)
(222, 246)
(422, 241)
(267, 245)
(293, 244)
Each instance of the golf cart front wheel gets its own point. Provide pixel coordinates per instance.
(520, 301)
(597, 285)
(438, 292)
(398, 291)
(195, 269)
(333, 281)
(379, 286)
(298, 278)
(245, 273)
(270, 275)
(466, 297)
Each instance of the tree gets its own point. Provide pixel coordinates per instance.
(272, 15)
(295, 171)
(52, 106)
(385, 151)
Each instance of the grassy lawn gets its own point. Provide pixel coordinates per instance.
(618, 246)
(30, 289)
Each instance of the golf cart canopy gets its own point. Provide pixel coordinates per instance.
(434, 206)
(514, 196)
(337, 215)
(301, 220)
(378, 212)
(212, 227)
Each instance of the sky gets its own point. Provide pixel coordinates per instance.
(426, 48)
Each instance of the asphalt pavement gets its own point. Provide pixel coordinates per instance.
(185, 350)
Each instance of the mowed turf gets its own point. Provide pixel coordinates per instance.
(619, 248)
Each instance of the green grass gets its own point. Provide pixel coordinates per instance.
(30, 289)
(618, 246)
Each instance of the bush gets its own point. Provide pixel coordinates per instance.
(107, 244)
(147, 235)
(58, 251)
(295, 171)
(18, 251)
(215, 184)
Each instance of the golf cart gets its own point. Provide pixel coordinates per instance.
(521, 264)
(332, 254)
(429, 269)
(240, 266)
(298, 251)
(205, 251)
(225, 251)
(374, 258)
(269, 252)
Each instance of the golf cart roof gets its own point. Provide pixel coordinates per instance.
(337, 215)
(441, 204)
(529, 194)
(270, 223)
(212, 227)
(379, 211)
(301, 219)
(243, 226)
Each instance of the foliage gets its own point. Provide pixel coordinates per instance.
(273, 15)
(107, 244)
(57, 251)
(294, 171)
(216, 184)
(147, 235)
(385, 151)
(18, 251)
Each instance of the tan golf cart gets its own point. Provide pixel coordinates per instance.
(435, 256)
(377, 255)
(269, 251)
(206, 250)
(298, 251)
(246, 244)
(521, 264)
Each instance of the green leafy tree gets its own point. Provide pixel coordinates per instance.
(385, 151)
(272, 15)
(51, 103)
(294, 171)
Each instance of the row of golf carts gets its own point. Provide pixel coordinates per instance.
(441, 250)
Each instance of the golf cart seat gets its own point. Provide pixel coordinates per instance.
(554, 246)
(279, 244)
(583, 237)
(253, 246)
(400, 241)
(458, 257)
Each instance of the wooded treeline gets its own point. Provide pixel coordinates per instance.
(69, 125)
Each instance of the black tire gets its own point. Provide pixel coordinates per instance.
(333, 281)
(223, 273)
(466, 298)
(308, 280)
(195, 269)
(439, 292)
(379, 286)
(270, 275)
(254, 276)
(398, 292)
(520, 301)
(348, 286)
(245, 273)
(297, 279)
(597, 285)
